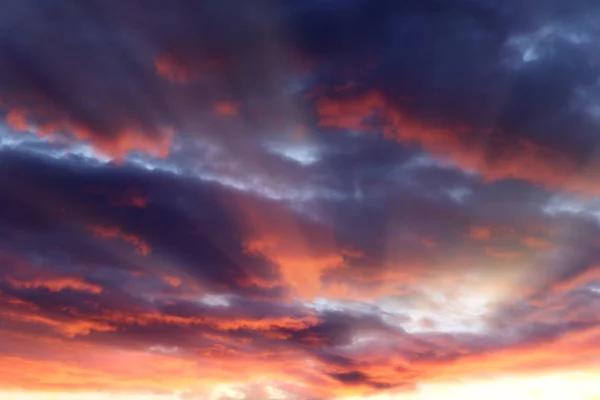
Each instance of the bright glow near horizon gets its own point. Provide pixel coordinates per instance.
(580, 385)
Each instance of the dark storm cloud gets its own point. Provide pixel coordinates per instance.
(498, 74)
(450, 48)
(355, 377)
(66, 67)
(206, 243)
(440, 62)
(447, 58)
(91, 66)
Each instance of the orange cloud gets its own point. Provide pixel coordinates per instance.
(127, 141)
(300, 266)
(503, 254)
(574, 350)
(536, 243)
(117, 233)
(281, 239)
(588, 276)
(58, 283)
(82, 368)
(480, 233)
(265, 324)
(571, 350)
(304, 263)
(526, 160)
(17, 119)
(428, 242)
(183, 69)
(172, 280)
(167, 68)
(99, 368)
(233, 361)
(130, 198)
(68, 328)
(117, 145)
(226, 108)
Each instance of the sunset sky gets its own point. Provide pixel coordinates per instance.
(299, 200)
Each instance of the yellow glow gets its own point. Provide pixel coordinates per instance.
(559, 386)
(82, 396)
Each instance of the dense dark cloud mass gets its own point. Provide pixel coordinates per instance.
(298, 199)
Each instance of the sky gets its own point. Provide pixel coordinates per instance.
(299, 200)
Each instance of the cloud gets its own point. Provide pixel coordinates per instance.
(226, 108)
(166, 68)
(123, 143)
(524, 159)
(58, 284)
(130, 198)
(481, 233)
(112, 233)
(308, 200)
